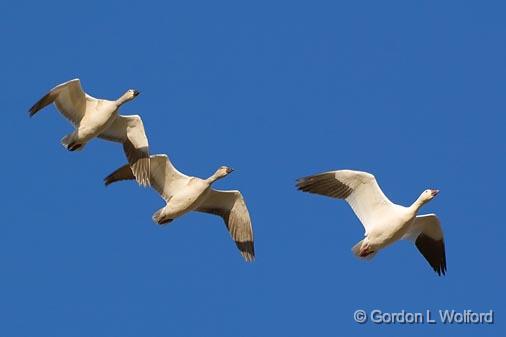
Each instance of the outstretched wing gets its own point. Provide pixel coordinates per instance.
(427, 235)
(164, 177)
(129, 130)
(69, 98)
(231, 207)
(359, 189)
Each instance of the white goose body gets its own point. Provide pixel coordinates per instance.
(384, 222)
(100, 114)
(189, 198)
(183, 194)
(94, 118)
(390, 227)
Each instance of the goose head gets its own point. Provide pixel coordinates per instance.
(129, 95)
(221, 172)
(428, 195)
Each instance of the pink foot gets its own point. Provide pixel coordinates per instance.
(365, 252)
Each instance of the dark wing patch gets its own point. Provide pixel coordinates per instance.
(43, 102)
(433, 251)
(139, 162)
(123, 173)
(324, 184)
(245, 246)
(247, 249)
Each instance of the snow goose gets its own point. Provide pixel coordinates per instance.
(384, 221)
(94, 117)
(183, 194)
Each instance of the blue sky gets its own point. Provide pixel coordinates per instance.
(410, 91)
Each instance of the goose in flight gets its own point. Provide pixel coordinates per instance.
(93, 117)
(384, 221)
(184, 194)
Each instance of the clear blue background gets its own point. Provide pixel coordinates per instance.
(412, 91)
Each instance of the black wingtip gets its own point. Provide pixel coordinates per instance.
(299, 182)
(247, 249)
(108, 180)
